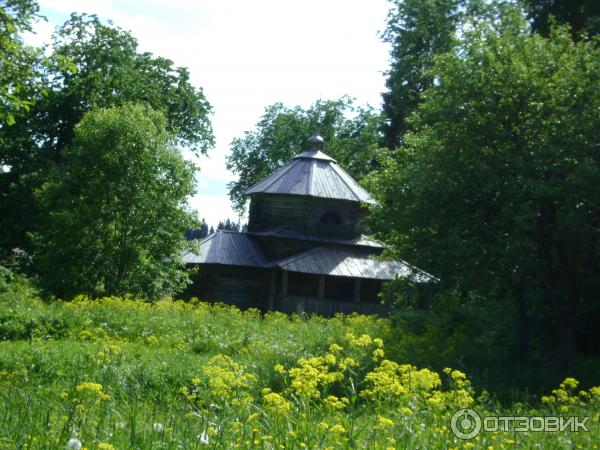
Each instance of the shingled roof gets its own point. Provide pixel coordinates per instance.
(314, 174)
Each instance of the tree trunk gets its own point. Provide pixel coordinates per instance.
(523, 328)
(566, 344)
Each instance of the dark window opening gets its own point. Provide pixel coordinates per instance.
(330, 218)
(339, 288)
(369, 290)
(302, 284)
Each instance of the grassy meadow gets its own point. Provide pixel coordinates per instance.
(119, 373)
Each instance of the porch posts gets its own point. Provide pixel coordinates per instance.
(321, 288)
(284, 288)
(356, 298)
(271, 294)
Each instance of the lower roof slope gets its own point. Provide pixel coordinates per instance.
(228, 248)
(240, 249)
(349, 262)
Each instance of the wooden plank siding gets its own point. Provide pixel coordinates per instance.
(305, 213)
(245, 287)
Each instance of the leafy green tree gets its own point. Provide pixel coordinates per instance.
(583, 16)
(351, 137)
(107, 70)
(111, 72)
(417, 31)
(495, 191)
(18, 62)
(115, 211)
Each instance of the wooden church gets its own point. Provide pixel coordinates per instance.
(304, 249)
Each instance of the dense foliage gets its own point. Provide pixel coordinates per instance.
(351, 137)
(583, 16)
(115, 212)
(18, 63)
(92, 65)
(116, 373)
(495, 189)
(417, 31)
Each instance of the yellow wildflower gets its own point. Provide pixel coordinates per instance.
(330, 359)
(337, 429)
(253, 416)
(335, 348)
(227, 379)
(359, 341)
(569, 383)
(384, 422)
(276, 403)
(336, 403)
(405, 411)
(378, 354)
(95, 389)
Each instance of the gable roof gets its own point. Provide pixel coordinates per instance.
(229, 248)
(313, 174)
(349, 262)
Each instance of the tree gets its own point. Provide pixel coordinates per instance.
(495, 190)
(111, 72)
(198, 233)
(115, 211)
(418, 31)
(583, 16)
(18, 62)
(229, 225)
(203, 228)
(106, 70)
(351, 137)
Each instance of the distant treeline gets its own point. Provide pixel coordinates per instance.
(203, 230)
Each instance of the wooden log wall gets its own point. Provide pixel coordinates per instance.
(245, 287)
(305, 213)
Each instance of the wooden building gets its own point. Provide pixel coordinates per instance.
(304, 250)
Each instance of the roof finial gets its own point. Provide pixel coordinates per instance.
(316, 140)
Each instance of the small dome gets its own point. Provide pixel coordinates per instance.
(316, 141)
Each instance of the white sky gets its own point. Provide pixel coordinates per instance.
(247, 55)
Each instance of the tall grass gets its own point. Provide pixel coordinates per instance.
(125, 374)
